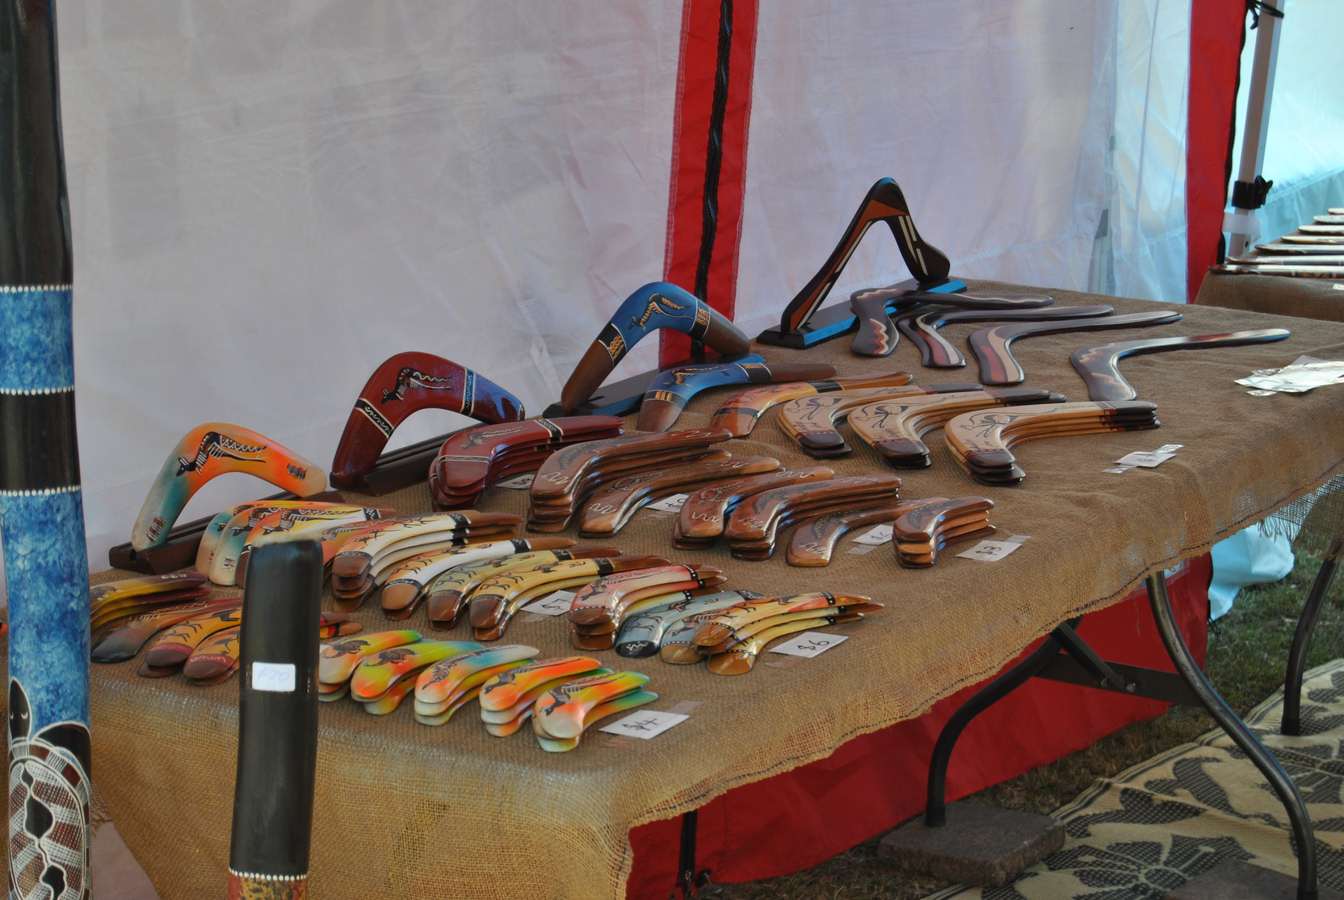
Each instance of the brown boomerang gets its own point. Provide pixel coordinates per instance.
(896, 428)
(993, 346)
(928, 525)
(740, 412)
(474, 458)
(1321, 239)
(981, 441)
(705, 512)
(812, 421)
(1322, 229)
(1099, 366)
(883, 203)
(672, 389)
(405, 384)
(938, 352)
(1279, 248)
(813, 542)
(756, 516)
(611, 507)
(877, 334)
(560, 474)
(653, 307)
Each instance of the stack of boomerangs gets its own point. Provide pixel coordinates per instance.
(981, 441)
(739, 413)
(671, 389)
(755, 523)
(171, 618)
(705, 513)
(562, 714)
(229, 537)
(731, 638)
(383, 673)
(895, 428)
(641, 634)
(496, 601)
(1315, 251)
(926, 526)
(473, 459)
(338, 659)
(507, 700)
(597, 611)
(405, 384)
(609, 509)
(567, 477)
(813, 542)
(874, 308)
(206, 452)
(449, 593)
(450, 684)
(813, 422)
(363, 559)
(404, 584)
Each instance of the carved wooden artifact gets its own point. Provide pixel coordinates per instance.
(1099, 366)
(993, 346)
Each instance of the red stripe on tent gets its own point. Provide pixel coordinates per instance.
(1216, 29)
(702, 248)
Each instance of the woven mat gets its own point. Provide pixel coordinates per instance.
(1155, 826)
(405, 810)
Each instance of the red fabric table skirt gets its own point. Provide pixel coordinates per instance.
(871, 784)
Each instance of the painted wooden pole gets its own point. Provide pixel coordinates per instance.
(41, 511)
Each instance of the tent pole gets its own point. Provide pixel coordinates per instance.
(1249, 190)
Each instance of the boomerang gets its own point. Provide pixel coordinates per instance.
(671, 389)
(1099, 366)
(993, 346)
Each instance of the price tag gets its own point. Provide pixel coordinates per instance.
(875, 536)
(1118, 470)
(277, 678)
(556, 604)
(670, 504)
(517, 482)
(1144, 459)
(645, 724)
(993, 551)
(809, 644)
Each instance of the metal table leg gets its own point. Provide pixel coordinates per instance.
(1306, 624)
(1242, 735)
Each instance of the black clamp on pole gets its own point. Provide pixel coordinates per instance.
(1250, 194)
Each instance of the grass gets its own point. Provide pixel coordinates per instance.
(1247, 652)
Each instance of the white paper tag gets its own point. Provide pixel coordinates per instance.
(517, 482)
(809, 644)
(875, 536)
(1337, 287)
(1118, 470)
(645, 724)
(993, 551)
(670, 504)
(556, 604)
(1169, 448)
(278, 678)
(1146, 459)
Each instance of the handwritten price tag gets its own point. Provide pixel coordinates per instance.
(875, 536)
(990, 551)
(278, 678)
(518, 482)
(645, 724)
(809, 644)
(556, 604)
(670, 504)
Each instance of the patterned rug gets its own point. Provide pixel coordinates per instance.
(1166, 820)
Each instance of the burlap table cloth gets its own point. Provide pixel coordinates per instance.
(407, 810)
(1312, 298)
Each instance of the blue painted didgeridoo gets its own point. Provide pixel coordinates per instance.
(41, 512)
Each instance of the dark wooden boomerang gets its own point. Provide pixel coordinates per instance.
(883, 203)
(1099, 366)
(938, 352)
(405, 384)
(653, 307)
(874, 308)
(672, 389)
(993, 346)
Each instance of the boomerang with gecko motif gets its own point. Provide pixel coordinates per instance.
(740, 412)
(672, 389)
